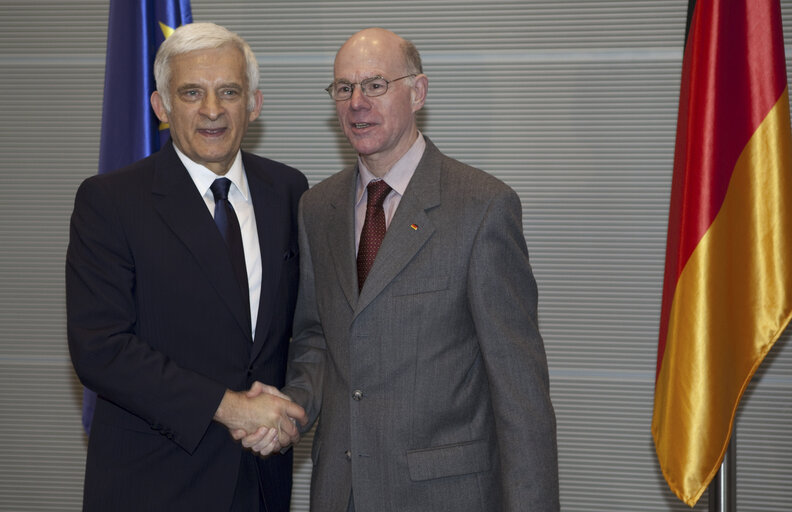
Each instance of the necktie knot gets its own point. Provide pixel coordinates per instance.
(377, 191)
(220, 188)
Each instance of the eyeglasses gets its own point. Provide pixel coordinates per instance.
(341, 90)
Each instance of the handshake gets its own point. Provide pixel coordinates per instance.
(262, 418)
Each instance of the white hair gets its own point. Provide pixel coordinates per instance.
(202, 36)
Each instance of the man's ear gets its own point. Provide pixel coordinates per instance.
(159, 108)
(257, 107)
(419, 89)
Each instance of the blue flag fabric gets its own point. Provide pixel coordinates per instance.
(130, 130)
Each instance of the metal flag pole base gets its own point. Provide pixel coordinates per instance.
(723, 488)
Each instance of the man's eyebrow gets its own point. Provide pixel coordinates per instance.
(185, 87)
(227, 85)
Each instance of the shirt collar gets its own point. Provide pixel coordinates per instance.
(203, 177)
(398, 176)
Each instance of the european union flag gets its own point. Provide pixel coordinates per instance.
(130, 130)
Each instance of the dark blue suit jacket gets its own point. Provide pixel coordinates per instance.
(157, 327)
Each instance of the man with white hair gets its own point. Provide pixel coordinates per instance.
(181, 282)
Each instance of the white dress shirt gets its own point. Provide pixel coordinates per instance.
(239, 196)
(397, 177)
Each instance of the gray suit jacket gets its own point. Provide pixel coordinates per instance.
(432, 382)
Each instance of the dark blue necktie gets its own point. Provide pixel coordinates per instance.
(228, 224)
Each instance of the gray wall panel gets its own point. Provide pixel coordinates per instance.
(573, 103)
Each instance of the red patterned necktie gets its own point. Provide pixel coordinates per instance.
(373, 229)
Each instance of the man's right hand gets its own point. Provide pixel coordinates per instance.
(261, 406)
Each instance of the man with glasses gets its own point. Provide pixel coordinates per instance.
(415, 334)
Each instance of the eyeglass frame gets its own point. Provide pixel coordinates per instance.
(362, 84)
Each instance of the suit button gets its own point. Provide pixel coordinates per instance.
(357, 395)
(348, 455)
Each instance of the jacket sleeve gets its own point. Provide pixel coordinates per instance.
(503, 299)
(102, 314)
(307, 351)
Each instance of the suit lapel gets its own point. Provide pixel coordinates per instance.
(410, 227)
(184, 211)
(270, 224)
(340, 233)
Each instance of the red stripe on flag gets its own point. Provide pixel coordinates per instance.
(732, 75)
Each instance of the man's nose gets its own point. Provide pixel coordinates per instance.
(358, 99)
(211, 106)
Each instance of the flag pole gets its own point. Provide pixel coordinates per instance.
(723, 488)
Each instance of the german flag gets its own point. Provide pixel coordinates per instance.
(727, 293)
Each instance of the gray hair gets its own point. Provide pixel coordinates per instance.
(202, 36)
(411, 57)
